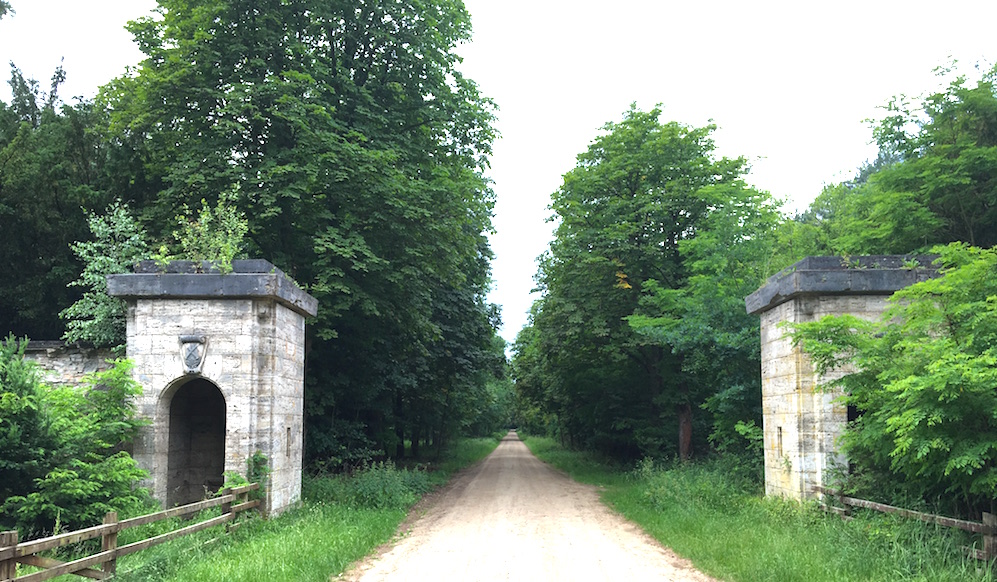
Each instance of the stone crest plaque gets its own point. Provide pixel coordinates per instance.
(192, 348)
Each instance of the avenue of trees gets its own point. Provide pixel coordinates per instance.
(340, 141)
(640, 345)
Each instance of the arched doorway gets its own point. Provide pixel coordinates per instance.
(197, 442)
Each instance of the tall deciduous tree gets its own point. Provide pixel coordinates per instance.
(50, 174)
(357, 152)
(627, 214)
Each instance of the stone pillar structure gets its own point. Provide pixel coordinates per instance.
(801, 424)
(220, 357)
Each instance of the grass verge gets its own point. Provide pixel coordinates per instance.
(341, 520)
(711, 514)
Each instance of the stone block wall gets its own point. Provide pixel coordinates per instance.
(66, 363)
(802, 422)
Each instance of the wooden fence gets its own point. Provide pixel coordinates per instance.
(987, 528)
(12, 553)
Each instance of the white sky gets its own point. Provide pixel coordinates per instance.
(788, 83)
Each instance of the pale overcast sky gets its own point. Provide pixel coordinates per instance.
(788, 83)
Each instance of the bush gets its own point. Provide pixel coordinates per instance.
(924, 388)
(378, 486)
(71, 468)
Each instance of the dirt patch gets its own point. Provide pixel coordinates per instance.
(511, 517)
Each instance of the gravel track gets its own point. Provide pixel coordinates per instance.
(512, 517)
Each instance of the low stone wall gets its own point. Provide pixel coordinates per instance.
(800, 423)
(66, 364)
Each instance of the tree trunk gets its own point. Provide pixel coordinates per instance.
(399, 428)
(416, 435)
(685, 431)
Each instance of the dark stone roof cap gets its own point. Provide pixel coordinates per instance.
(194, 280)
(860, 275)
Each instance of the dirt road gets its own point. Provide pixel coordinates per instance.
(514, 518)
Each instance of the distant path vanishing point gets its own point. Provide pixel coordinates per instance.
(511, 517)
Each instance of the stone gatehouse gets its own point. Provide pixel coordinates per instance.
(801, 424)
(220, 358)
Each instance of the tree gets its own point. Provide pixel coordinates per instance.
(356, 149)
(933, 182)
(118, 244)
(50, 176)
(62, 461)
(26, 438)
(642, 191)
(704, 323)
(924, 385)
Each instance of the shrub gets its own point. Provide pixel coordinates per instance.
(74, 470)
(925, 384)
(378, 486)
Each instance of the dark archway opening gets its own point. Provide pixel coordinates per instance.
(197, 442)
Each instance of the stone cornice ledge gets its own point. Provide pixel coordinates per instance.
(188, 280)
(865, 275)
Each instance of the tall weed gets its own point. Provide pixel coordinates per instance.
(380, 485)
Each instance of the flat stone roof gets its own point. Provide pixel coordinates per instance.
(860, 275)
(191, 280)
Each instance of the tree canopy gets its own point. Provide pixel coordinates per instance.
(933, 182)
(346, 135)
(638, 220)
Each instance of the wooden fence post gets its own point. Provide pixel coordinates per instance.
(990, 539)
(8, 565)
(227, 507)
(109, 542)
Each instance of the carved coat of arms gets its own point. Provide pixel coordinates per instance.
(192, 349)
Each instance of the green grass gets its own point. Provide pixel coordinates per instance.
(707, 513)
(341, 520)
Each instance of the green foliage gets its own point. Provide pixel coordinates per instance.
(924, 385)
(50, 172)
(642, 317)
(932, 183)
(70, 470)
(211, 235)
(26, 437)
(379, 486)
(118, 244)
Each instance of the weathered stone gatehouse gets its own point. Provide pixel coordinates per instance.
(220, 358)
(801, 424)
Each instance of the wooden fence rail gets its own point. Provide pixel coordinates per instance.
(987, 528)
(232, 501)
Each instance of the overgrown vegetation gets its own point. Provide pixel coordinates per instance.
(713, 513)
(924, 389)
(62, 466)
